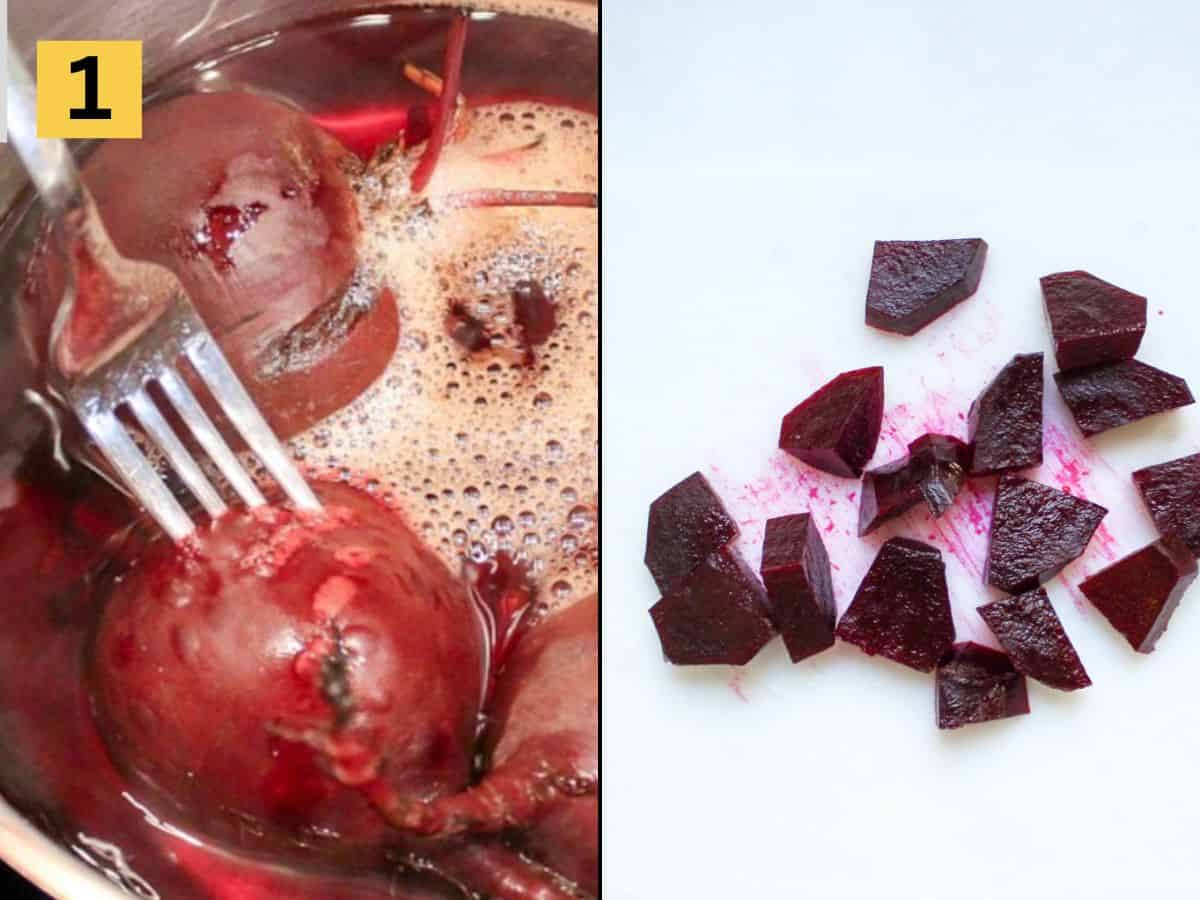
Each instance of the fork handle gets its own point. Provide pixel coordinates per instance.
(47, 160)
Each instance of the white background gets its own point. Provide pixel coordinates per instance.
(752, 154)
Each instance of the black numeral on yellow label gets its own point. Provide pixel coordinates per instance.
(91, 109)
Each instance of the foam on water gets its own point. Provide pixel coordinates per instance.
(485, 451)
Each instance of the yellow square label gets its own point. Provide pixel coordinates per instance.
(89, 89)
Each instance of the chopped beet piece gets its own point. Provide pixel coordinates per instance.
(836, 429)
(1116, 394)
(1139, 593)
(717, 615)
(1172, 494)
(533, 312)
(687, 524)
(1091, 320)
(902, 607)
(1036, 530)
(978, 684)
(795, 570)
(914, 282)
(1005, 422)
(932, 471)
(1029, 629)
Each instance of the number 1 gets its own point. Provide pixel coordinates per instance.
(90, 66)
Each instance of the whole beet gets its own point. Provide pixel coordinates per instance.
(260, 682)
(249, 203)
(541, 747)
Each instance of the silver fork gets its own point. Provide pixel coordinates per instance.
(153, 325)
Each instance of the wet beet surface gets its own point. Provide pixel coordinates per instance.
(902, 608)
(795, 571)
(914, 282)
(1138, 594)
(1092, 321)
(719, 614)
(932, 471)
(1004, 426)
(836, 428)
(1115, 394)
(687, 524)
(1036, 531)
(1029, 630)
(977, 684)
(1171, 491)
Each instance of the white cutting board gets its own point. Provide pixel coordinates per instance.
(752, 154)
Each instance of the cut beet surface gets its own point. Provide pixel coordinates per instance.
(1036, 530)
(836, 428)
(687, 524)
(1029, 630)
(1004, 427)
(1139, 593)
(1171, 491)
(914, 282)
(902, 607)
(795, 570)
(1115, 394)
(717, 615)
(978, 684)
(1092, 321)
(932, 471)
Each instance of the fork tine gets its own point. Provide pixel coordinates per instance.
(210, 439)
(116, 444)
(161, 433)
(210, 363)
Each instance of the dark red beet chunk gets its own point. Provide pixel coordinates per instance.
(687, 524)
(1036, 530)
(914, 282)
(1029, 629)
(717, 615)
(932, 471)
(1171, 491)
(795, 570)
(978, 684)
(1004, 427)
(1091, 320)
(1116, 394)
(1139, 593)
(902, 607)
(836, 429)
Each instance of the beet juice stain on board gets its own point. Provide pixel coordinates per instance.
(428, 177)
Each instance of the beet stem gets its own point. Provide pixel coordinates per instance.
(491, 197)
(451, 79)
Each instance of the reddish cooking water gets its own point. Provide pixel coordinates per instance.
(52, 763)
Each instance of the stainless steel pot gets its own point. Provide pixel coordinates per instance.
(174, 32)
